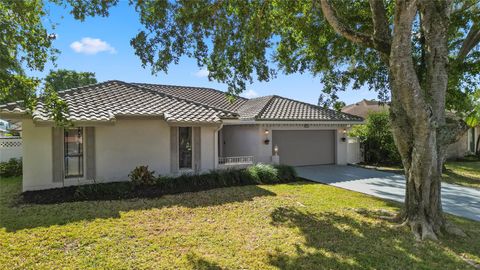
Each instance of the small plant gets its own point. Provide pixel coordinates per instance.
(13, 167)
(141, 176)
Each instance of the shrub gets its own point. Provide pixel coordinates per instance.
(286, 173)
(141, 176)
(377, 139)
(109, 191)
(13, 167)
(263, 173)
(145, 185)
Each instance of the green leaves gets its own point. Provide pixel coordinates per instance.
(56, 106)
(377, 137)
(63, 79)
(473, 118)
(24, 42)
(239, 41)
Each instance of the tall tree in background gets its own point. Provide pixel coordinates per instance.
(59, 80)
(63, 79)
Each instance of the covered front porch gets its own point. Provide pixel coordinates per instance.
(297, 144)
(238, 146)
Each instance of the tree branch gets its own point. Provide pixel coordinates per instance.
(472, 40)
(451, 132)
(381, 30)
(350, 34)
(464, 7)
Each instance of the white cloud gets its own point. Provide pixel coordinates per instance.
(250, 93)
(202, 73)
(91, 46)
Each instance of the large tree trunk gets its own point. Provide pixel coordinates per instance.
(419, 88)
(418, 111)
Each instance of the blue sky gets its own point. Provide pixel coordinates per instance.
(102, 45)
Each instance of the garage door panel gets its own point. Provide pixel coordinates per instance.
(305, 147)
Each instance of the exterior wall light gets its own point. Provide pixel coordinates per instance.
(344, 138)
(267, 140)
(275, 150)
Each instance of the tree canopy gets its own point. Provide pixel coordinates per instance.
(63, 79)
(239, 41)
(24, 43)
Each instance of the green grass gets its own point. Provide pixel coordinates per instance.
(286, 226)
(463, 173)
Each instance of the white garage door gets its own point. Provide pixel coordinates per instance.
(305, 147)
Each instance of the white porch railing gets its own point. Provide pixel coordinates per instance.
(241, 160)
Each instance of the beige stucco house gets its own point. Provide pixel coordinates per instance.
(467, 145)
(365, 106)
(173, 130)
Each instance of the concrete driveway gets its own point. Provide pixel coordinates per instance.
(457, 200)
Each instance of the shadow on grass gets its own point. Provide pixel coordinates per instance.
(334, 241)
(452, 177)
(199, 263)
(15, 217)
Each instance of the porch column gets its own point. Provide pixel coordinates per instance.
(218, 145)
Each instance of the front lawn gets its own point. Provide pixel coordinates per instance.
(287, 226)
(466, 173)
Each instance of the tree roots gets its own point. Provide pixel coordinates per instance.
(421, 229)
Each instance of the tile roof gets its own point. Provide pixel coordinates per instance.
(285, 109)
(253, 107)
(207, 96)
(104, 101)
(261, 108)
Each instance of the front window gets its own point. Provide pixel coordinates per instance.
(73, 150)
(185, 147)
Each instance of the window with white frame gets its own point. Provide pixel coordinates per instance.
(185, 149)
(73, 152)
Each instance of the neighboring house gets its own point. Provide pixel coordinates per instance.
(467, 145)
(3, 128)
(364, 107)
(10, 143)
(173, 130)
(15, 129)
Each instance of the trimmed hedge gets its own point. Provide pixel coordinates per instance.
(258, 174)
